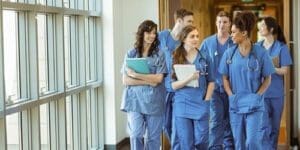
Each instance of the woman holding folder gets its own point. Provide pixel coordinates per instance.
(144, 94)
(191, 103)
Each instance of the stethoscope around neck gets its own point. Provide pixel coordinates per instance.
(203, 64)
(252, 62)
(227, 43)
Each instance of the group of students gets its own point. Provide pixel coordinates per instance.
(239, 100)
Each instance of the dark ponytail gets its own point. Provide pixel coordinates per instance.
(280, 35)
(277, 31)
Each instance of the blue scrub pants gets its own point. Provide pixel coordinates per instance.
(169, 122)
(219, 127)
(274, 108)
(250, 130)
(147, 127)
(192, 134)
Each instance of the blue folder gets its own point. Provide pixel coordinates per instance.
(139, 65)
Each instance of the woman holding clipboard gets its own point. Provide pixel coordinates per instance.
(144, 94)
(191, 103)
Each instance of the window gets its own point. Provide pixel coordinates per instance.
(44, 127)
(11, 55)
(13, 131)
(51, 64)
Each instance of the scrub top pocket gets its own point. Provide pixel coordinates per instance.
(245, 103)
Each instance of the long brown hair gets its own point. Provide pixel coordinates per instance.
(146, 26)
(180, 53)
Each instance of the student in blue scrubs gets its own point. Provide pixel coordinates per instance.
(220, 135)
(169, 40)
(247, 70)
(191, 104)
(274, 42)
(144, 94)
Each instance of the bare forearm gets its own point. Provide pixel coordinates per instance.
(281, 71)
(210, 89)
(227, 87)
(180, 84)
(153, 78)
(131, 81)
(264, 85)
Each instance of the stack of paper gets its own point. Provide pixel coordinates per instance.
(139, 65)
(182, 71)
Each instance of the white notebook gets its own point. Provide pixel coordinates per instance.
(182, 71)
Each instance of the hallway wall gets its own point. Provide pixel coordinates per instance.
(296, 39)
(120, 22)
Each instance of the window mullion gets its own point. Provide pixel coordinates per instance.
(33, 56)
(61, 118)
(34, 121)
(76, 122)
(22, 55)
(53, 125)
(60, 57)
(99, 51)
(81, 51)
(83, 120)
(73, 52)
(99, 98)
(25, 132)
(2, 89)
(91, 48)
(2, 79)
(94, 51)
(94, 119)
(35, 128)
(51, 53)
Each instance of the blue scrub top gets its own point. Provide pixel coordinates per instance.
(216, 50)
(188, 101)
(246, 73)
(278, 49)
(167, 45)
(145, 98)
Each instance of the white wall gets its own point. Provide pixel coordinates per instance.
(120, 21)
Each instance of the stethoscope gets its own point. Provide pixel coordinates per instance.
(252, 64)
(216, 52)
(203, 64)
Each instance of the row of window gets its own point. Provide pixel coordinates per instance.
(81, 129)
(92, 5)
(51, 75)
(17, 54)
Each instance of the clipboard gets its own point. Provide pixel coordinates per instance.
(184, 70)
(139, 65)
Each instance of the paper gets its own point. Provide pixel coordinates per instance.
(139, 65)
(182, 71)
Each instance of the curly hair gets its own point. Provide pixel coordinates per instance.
(180, 53)
(146, 26)
(245, 21)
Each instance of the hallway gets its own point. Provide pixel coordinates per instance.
(60, 67)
